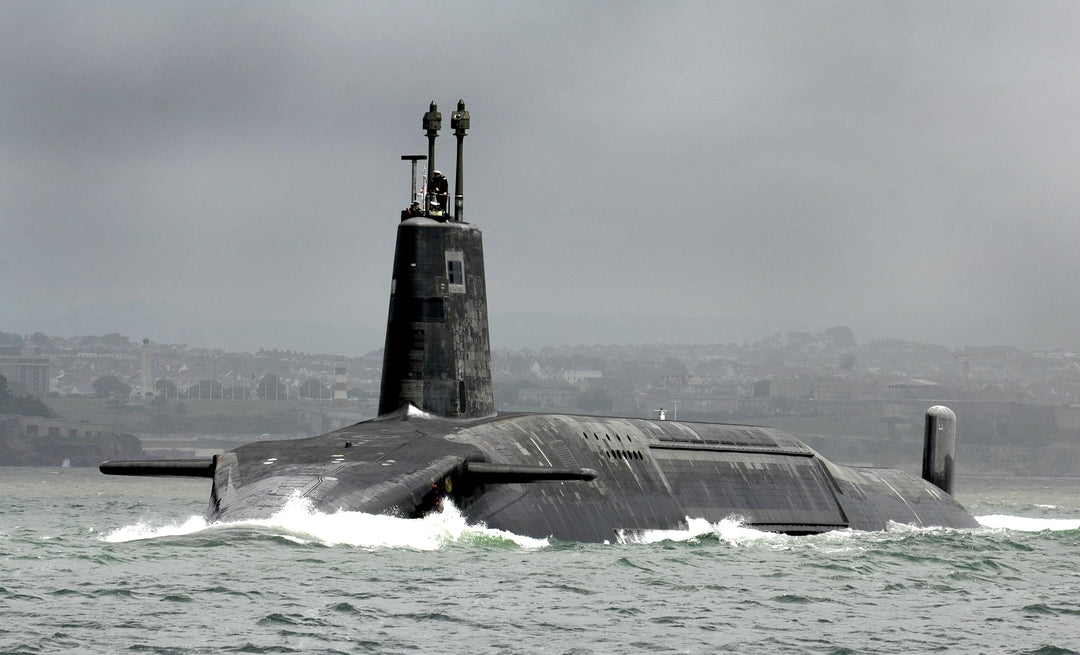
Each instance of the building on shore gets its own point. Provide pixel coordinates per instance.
(27, 368)
(33, 427)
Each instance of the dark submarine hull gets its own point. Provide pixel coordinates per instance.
(580, 478)
(612, 476)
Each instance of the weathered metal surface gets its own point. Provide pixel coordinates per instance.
(405, 464)
(437, 354)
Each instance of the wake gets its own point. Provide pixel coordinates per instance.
(298, 522)
(302, 524)
(1025, 524)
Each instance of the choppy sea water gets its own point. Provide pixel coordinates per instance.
(90, 563)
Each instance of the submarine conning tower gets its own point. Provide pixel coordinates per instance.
(437, 354)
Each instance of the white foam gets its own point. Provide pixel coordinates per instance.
(894, 526)
(1026, 524)
(299, 523)
(734, 532)
(302, 524)
(730, 530)
(144, 531)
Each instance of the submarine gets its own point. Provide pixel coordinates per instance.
(437, 437)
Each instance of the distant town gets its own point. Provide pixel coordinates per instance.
(1018, 411)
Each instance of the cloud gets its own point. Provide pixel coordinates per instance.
(904, 169)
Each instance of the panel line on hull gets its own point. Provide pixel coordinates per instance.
(724, 448)
(904, 500)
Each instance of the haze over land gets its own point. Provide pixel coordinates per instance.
(228, 175)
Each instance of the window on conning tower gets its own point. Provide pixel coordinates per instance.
(455, 271)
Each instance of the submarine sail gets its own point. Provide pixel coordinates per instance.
(582, 478)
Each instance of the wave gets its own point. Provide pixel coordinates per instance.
(735, 532)
(298, 522)
(1027, 524)
(731, 530)
(302, 524)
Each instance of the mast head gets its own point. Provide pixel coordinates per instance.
(433, 120)
(459, 120)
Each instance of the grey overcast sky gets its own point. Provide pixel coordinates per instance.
(228, 174)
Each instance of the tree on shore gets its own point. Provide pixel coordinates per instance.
(108, 386)
(40, 340)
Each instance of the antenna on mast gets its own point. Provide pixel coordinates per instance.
(413, 159)
(432, 125)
